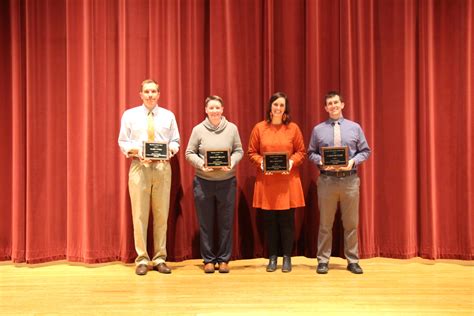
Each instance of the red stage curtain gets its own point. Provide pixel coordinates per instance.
(70, 69)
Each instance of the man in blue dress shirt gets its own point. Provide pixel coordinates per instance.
(338, 184)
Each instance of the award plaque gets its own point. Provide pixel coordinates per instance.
(275, 162)
(155, 151)
(217, 158)
(334, 156)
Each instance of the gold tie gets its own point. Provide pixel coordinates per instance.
(151, 127)
(337, 134)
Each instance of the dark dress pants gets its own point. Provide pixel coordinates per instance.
(280, 230)
(215, 201)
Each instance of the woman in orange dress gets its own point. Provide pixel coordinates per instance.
(278, 194)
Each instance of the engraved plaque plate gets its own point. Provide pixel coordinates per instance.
(155, 151)
(275, 162)
(217, 158)
(334, 156)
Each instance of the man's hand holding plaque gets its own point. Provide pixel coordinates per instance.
(153, 151)
(336, 159)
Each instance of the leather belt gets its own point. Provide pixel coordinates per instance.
(153, 161)
(338, 174)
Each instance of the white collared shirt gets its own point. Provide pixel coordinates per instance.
(134, 128)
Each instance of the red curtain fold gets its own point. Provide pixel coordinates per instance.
(70, 69)
(394, 79)
(445, 128)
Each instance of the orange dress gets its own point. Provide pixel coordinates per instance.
(277, 191)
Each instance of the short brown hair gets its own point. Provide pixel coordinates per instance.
(144, 82)
(331, 94)
(213, 97)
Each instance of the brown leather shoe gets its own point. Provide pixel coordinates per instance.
(162, 268)
(209, 267)
(141, 269)
(223, 267)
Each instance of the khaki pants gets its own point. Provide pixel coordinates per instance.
(345, 191)
(149, 184)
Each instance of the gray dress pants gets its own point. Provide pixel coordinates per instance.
(345, 191)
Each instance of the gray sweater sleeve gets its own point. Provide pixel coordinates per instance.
(237, 151)
(192, 151)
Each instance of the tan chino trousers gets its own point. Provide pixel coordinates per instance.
(149, 184)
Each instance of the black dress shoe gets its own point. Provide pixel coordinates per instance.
(272, 264)
(355, 268)
(286, 267)
(141, 269)
(162, 268)
(322, 268)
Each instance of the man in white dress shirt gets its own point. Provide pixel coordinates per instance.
(149, 180)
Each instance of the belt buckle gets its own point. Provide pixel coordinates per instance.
(342, 174)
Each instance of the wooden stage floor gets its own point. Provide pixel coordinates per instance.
(387, 287)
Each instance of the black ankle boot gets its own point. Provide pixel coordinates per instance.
(272, 264)
(286, 264)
